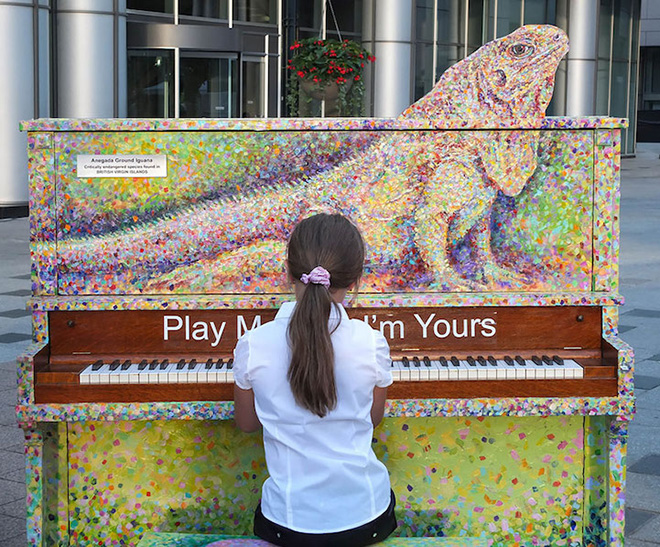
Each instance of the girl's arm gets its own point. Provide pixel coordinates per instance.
(245, 415)
(378, 406)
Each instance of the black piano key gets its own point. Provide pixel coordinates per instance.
(482, 360)
(154, 364)
(126, 364)
(97, 365)
(537, 360)
(181, 364)
(405, 362)
(427, 361)
(520, 361)
(164, 364)
(454, 361)
(143, 364)
(558, 360)
(219, 364)
(546, 359)
(230, 363)
(115, 364)
(192, 364)
(471, 361)
(493, 361)
(443, 362)
(508, 360)
(209, 364)
(416, 361)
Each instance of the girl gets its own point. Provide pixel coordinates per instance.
(317, 383)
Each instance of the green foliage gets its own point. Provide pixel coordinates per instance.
(324, 64)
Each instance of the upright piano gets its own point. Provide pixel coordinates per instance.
(157, 243)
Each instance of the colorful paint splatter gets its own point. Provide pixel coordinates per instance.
(470, 198)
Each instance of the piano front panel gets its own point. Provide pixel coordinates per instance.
(217, 224)
(189, 339)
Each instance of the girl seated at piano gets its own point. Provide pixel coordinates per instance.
(316, 381)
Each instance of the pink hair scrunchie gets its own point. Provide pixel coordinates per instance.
(318, 276)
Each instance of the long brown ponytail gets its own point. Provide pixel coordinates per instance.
(333, 242)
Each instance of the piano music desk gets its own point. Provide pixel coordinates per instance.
(539, 462)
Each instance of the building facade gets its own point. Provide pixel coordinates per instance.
(227, 58)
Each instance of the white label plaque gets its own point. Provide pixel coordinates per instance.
(106, 165)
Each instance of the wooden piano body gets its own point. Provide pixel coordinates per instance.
(182, 230)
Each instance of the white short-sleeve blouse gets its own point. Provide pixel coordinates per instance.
(324, 476)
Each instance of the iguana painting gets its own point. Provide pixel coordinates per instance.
(415, 194)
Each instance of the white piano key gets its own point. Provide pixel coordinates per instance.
(230, 371)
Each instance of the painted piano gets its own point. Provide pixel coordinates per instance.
(492, 269)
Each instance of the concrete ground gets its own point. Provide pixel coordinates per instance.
(639, 326)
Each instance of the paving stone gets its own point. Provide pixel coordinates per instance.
(20, 292)
(649, 531)
(16, 509)
(655, 357)
(648, 465)
(7, 415)
(643, 313)
(625, 328)
(29, 277)
(630, 542)
(642, 441)
(11, 337)
(21, 540)
(15, 313)
(646, 382)
(10, 461)
(11, 527)
(19, 448)
(634, 519)
(11, 491)
(642, 492)
(16, 475)
(649, 400)
(11, 436)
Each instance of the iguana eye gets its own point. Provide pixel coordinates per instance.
(521, 50)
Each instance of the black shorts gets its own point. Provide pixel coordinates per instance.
(371, 532)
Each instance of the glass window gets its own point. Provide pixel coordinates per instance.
(252, 88)
(309, 15)
(539, 12)
(208, 87)
(348, 14)
(508, 16)
(621, 34)
(150, 83)
(424, 20)
(256, 11)
(423, 69)
(476, 27)
(209, 9)
(157, 6)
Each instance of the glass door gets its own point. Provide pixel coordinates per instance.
(208, 86)
(253, 87)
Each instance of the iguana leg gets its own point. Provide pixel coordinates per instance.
(493, 274)
(431, 230)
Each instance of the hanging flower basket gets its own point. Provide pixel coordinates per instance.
(328, 70)
(323, 91)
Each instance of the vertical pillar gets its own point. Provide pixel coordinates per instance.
(18, 94)
(392, 46)
(91, 58)
(582, 60)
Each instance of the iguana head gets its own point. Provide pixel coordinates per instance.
(519, 69)
(506, 83)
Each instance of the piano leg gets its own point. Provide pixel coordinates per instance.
(618, 449)
(34, 442)
(45, 484)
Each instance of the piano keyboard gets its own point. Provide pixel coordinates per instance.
(162, 371)
(485, 368)
(159, 371)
